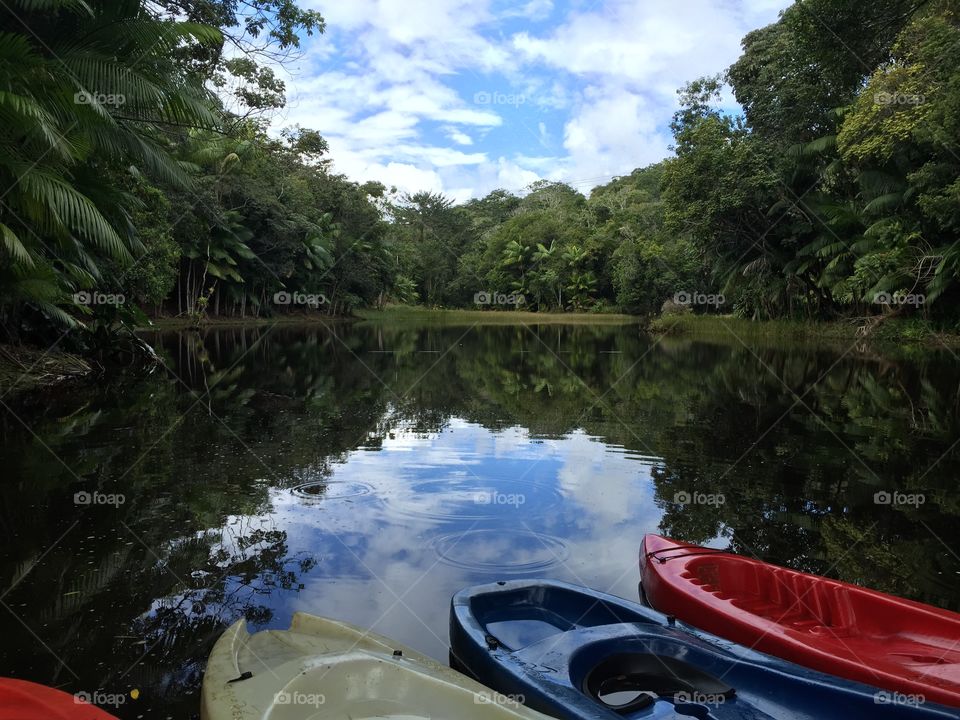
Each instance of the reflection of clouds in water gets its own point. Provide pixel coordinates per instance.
(607, 486)
(449, 470)
(422, 531)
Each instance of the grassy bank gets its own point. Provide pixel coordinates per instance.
(403, 315)
(417, 315)
(897, 330)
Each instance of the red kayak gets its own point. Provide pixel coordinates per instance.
(824, 624)
(23, 700)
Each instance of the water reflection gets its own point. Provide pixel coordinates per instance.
(368, 473)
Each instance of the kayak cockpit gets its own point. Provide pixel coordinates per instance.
(524, 616)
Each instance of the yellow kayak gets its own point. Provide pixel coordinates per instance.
(322, 669)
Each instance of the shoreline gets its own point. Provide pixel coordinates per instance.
(456, 316)
(900, 332)
(403, 314)
(24, 367)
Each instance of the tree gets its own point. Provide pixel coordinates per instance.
(257, 34)
(793, 73)
(434, 235)
(81, 104)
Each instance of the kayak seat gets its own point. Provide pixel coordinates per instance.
(517, 619)
(776, 595)
(520, 632)
(642, 677)
(797, 617)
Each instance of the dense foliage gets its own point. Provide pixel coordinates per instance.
(837, 192)
(552, 249)
(138, 175)
(137, 172)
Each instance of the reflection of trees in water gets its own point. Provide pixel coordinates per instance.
(805, 494)
(219, 576)
(279, 412)
(798, 496)
(152, 598)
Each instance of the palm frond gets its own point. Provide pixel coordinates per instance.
(13, 246)
(74, 211)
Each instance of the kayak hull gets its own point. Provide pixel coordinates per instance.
(24, 700)
(322, 669)
(898, 645)
(545, 641)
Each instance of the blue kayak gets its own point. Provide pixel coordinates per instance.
(575, 653)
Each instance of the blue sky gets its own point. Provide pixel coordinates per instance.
(464, 96)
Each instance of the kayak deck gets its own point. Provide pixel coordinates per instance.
(825, 624)
(321, 668)
(569, 650)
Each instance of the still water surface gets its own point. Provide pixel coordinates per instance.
(367, 473)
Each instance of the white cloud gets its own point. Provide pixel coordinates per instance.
(533, 10)
(392, 86)
(460, 138)
(654, 46)
(613, 131)
(404, 176)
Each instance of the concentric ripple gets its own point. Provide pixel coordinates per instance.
(500, 550)
(331, 490)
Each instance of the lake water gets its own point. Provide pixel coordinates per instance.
(367, 473)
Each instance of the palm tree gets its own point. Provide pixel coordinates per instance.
(516, 255)
(581, 283)
(86, 87)
(542, 257)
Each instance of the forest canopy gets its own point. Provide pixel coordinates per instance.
(142, 177)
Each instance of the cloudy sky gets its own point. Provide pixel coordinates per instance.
(464, 96)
